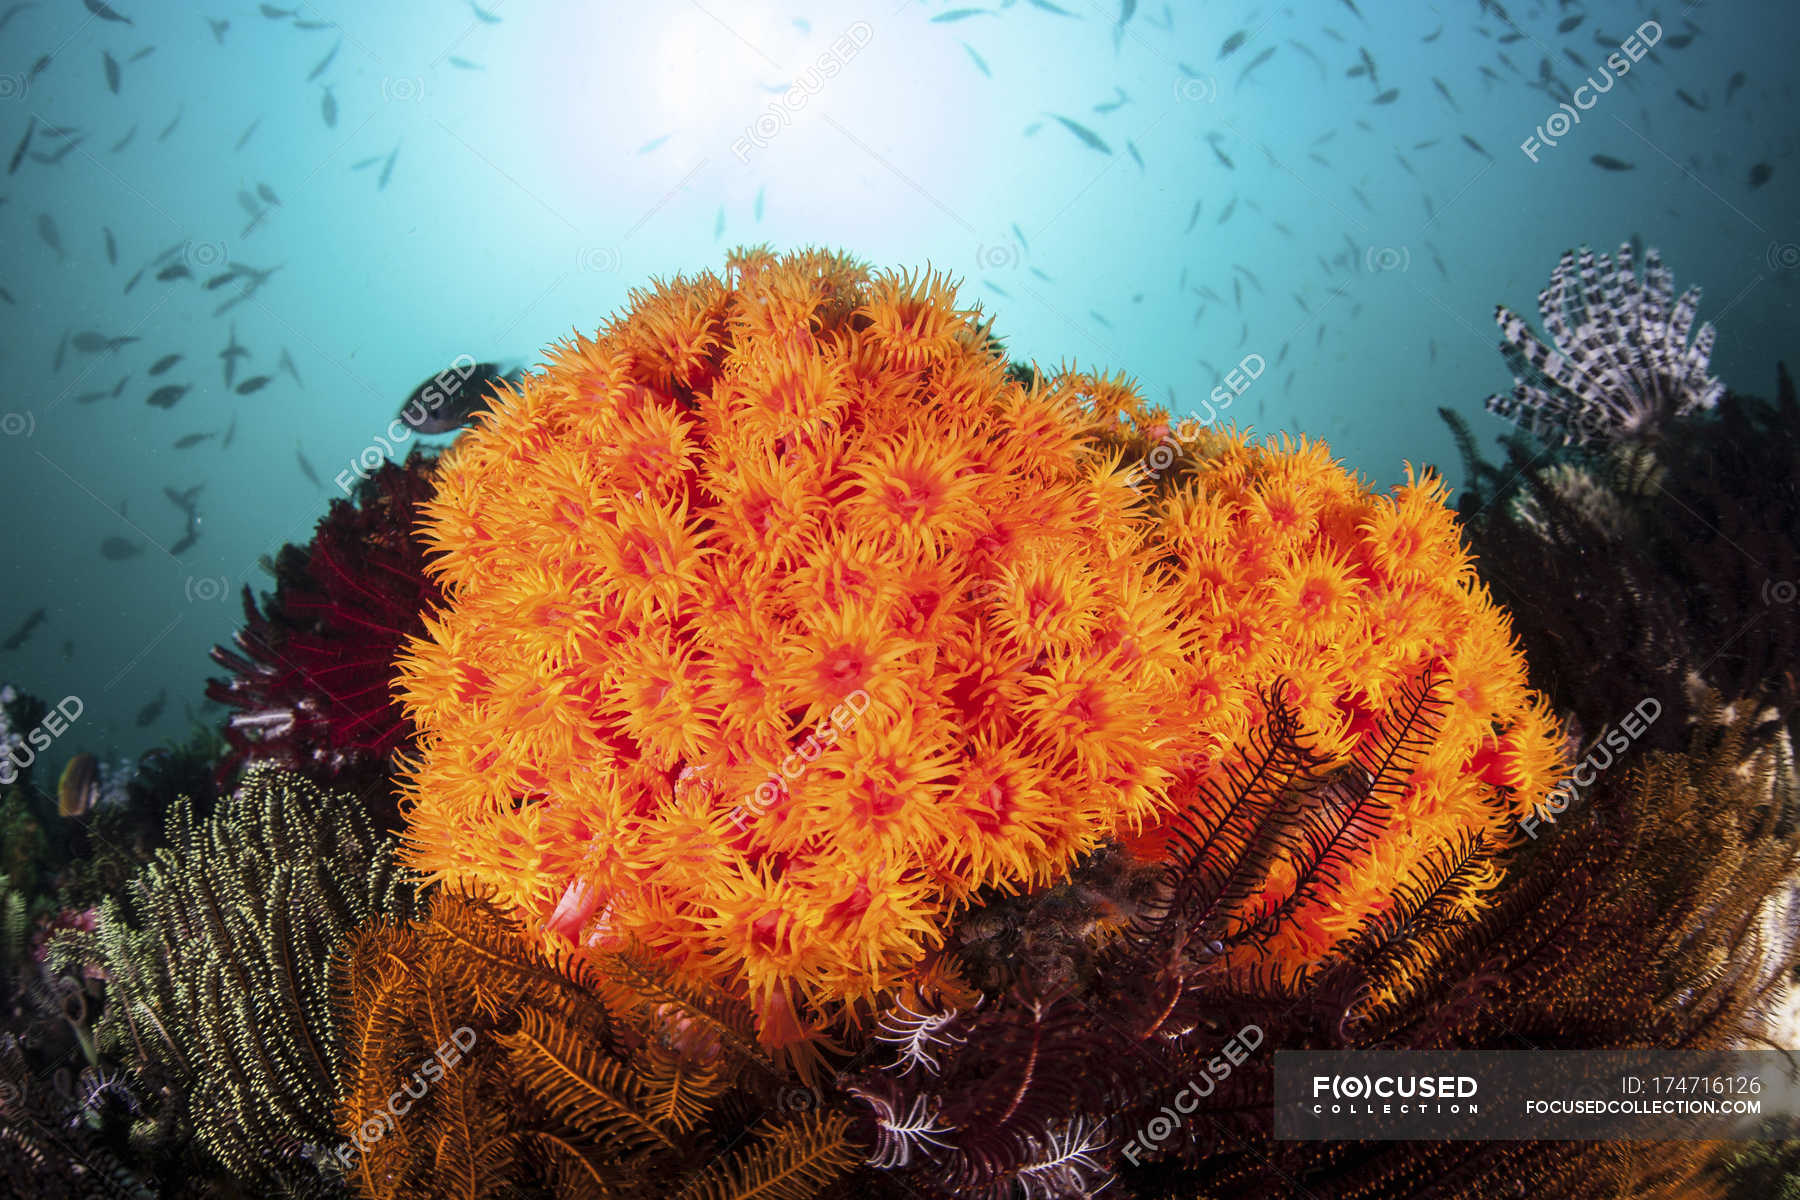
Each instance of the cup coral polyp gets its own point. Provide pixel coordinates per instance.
(780, 619)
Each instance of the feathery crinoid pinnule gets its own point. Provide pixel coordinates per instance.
(1619, 365)
(780, 619)
(1356, 605)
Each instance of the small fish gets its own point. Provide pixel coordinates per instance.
(1433, 35)
(1732, 86)
(1570, 24)
(1444, 91)
(1132, 149)
(147, 715)
(276, 14)
(105, 12)
(1760, 174)
(167, 395)
(449, 400)
(116, 549)
(980, 62)
(13, 11)
(78, 788)
(186, 501)
(248, 203)
(387, 170)
(719, 223)
(960, 14)
(245, 136)
(170, 127)
(91, 397)
(37, 68)
(1020, 234)
(311, 25)
(52, 159)
(1230, 207)
(1607, 162)
(1233, 43)
(19, 636)
(1256, 62)
(481, 14)
(62, 348)
(174, 271)
(1303, 48)
(268, 194)
(89, 342)
(255, 383)
(219, 26)
(120, 386)
(1688, 100)
(1102, 320)
(757, 209)
(164, 363)
(112, 72)
(287, 364)
(230, 354)
(230, 433)
(463, 64)
(1119, 100)
(306, 468)
(189, 440)
(146, 52)
(328, 108)
(24, 145)
(1088, 137)
(1193, 217)
(324, 62)
(220, 280)
(49, 235)
(1387, 97)
(1476, 146)
(1223, 157)
(1680, 41)
(996, 289)
(1050, 8)
(124, 141)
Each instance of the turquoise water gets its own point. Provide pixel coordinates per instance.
(543, 159)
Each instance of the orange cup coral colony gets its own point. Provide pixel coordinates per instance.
(782, 616)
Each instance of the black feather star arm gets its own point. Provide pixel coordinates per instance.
(217, 961)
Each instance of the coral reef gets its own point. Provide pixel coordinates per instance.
(216, 964)
(1620, 366)
(311, 669)
(790, 585)
(780, 620)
